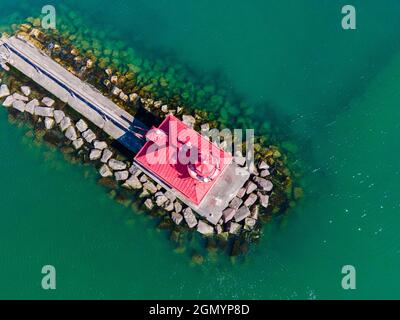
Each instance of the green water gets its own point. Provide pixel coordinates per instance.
(336, 92)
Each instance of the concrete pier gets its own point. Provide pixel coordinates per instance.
(81, 96)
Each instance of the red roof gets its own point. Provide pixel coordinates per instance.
(169, 163)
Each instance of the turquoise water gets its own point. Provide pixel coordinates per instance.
(336, 92)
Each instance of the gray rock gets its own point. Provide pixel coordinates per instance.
(161, 199)
(234, 228)
(265, 173)
(20, 97)
(81, 125)
(204, 228)
(177, 218)
(263, 183)
(250, 187)
(164, 108)
(132, 183)
(105, 171)
(58, 115)
(70, 133)
(190, 218)
(242, 213)
(218, 229)
(149, 204)
(116, 164)
(89, 135)
(255, 211)
(235, 203)
(31, 105)
(26, 90)
(116, 91)
(178, 207)
(188, 120)
(9, 101)
(169, 207)
(121, 175)
(48, 123)
(264, 199)
(48, 101)
(19, 105)
(101, 145)
(95, 154)
(44, 111)
(143, 179)
(150, 186)
(4, 91)
(124, 97)
(107, 154)
(249, 223)
(263, 165)
(228, 214)
(170, 195)
(133, 97)
(251, 199)
(134, 170)
(78, 143)
(241, 193)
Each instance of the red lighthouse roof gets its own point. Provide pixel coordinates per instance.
(186, 161)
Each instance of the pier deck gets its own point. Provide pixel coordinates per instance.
(82, 97)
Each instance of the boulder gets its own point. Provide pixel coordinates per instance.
(164, 108)
(241, 193)
(58, 115)
(89, 135)
(19, 105)
(188, 120)
(250, 187)
(44, 111)
(4, 91)
(49, 123)
(95, 154)
(26, 90)
(150, 186)
(78, 143)
(31, 105)
(170, 195)
(176, 218)
(228, 214)
(20, 97)
(149, 204)
(134, 170)
(132, 183)
(234, 228)
(133, 97)
(251, 199)
(190, 218)
(116, 164)
(178, 206)
(70, 133)
(105, 171)
(249, 223)
(48, 101)
(107, 154)
(264, 199)
(204, 228)
(218, 229)
(240, 160)
(263, 183)
(235, 203)
(101, 145)
(9, 101)
(263, 165)
(116, 91)
(121, 175)
(169, 207)
(143, 179)
(242, 213)
(161, 199)
(81, 125)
